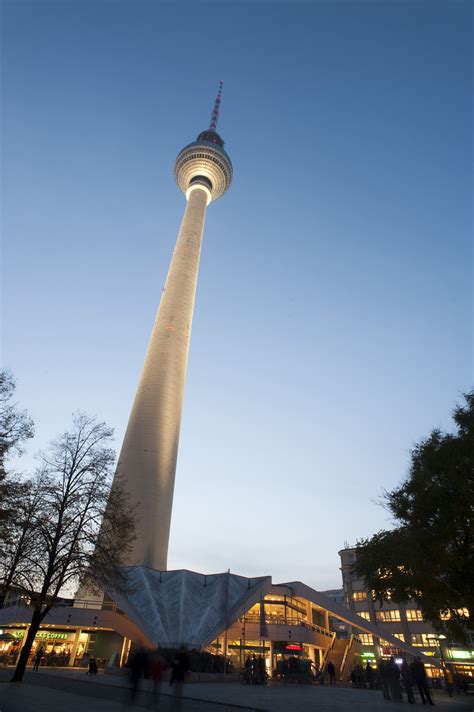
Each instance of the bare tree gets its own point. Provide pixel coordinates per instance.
(17, 539)
(80, 531)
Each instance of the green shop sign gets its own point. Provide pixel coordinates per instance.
(51, 634)
(44, 634)
(456, 654)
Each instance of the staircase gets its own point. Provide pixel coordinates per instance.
(347, 662)
(335, 653)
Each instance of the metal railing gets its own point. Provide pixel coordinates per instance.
(280, 620)
(345, 656)
(80, 603)
(327, 653)
(84, 603)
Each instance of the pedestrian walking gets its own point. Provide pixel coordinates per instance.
(261, 671)
(331, 672)
(254, 669)
(384, 680)
(369, 675)
(407, 681)
(359, 673)
(179, 670)
(138, 666)
(157, 668)
(393, 674)
(418, 674)
(38, 657)
(449, 680)
(92, 667)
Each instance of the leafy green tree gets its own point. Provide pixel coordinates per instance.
(429, 555)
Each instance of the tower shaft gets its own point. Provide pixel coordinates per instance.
(147, 463)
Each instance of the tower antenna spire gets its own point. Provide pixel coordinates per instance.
(215, 111)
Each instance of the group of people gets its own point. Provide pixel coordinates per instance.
(143, 663)
(363, 678)
(255, 672)
(394, 679)
(41, 657)
(92, 668)
(414, 675)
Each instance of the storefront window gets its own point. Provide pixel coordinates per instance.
(279, 610)
(57, 646)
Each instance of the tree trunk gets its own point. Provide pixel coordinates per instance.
(26, 649)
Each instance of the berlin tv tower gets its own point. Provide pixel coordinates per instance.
(147, 464)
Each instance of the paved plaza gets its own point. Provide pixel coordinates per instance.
(74, 692)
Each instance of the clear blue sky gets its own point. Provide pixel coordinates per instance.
(333, 318)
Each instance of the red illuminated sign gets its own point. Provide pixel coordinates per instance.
(293, 647)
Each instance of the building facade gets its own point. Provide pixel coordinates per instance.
(341, 629)
(404, 621)
(233, 616)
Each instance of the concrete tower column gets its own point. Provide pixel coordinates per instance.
(147, 462)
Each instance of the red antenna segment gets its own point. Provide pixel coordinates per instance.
(215, 111)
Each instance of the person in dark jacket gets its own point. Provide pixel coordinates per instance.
(179, 670)
(407, 681)
(261, 671)
(138, 667)
(393, 674)
(369, 675)
(418, 674)
(38, 657)
(331, 672)
(92, 667)
(384, 679)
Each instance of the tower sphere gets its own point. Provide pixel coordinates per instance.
(205, 163)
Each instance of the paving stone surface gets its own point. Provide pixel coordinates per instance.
(71, 691)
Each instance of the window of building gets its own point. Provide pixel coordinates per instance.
(359, 595)
(423, 639)
(400, 636)
(387, 616)
(278, 609)
(366, 639)
(364, 614)
(317, 617)
(413, 614)
(462, 612)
